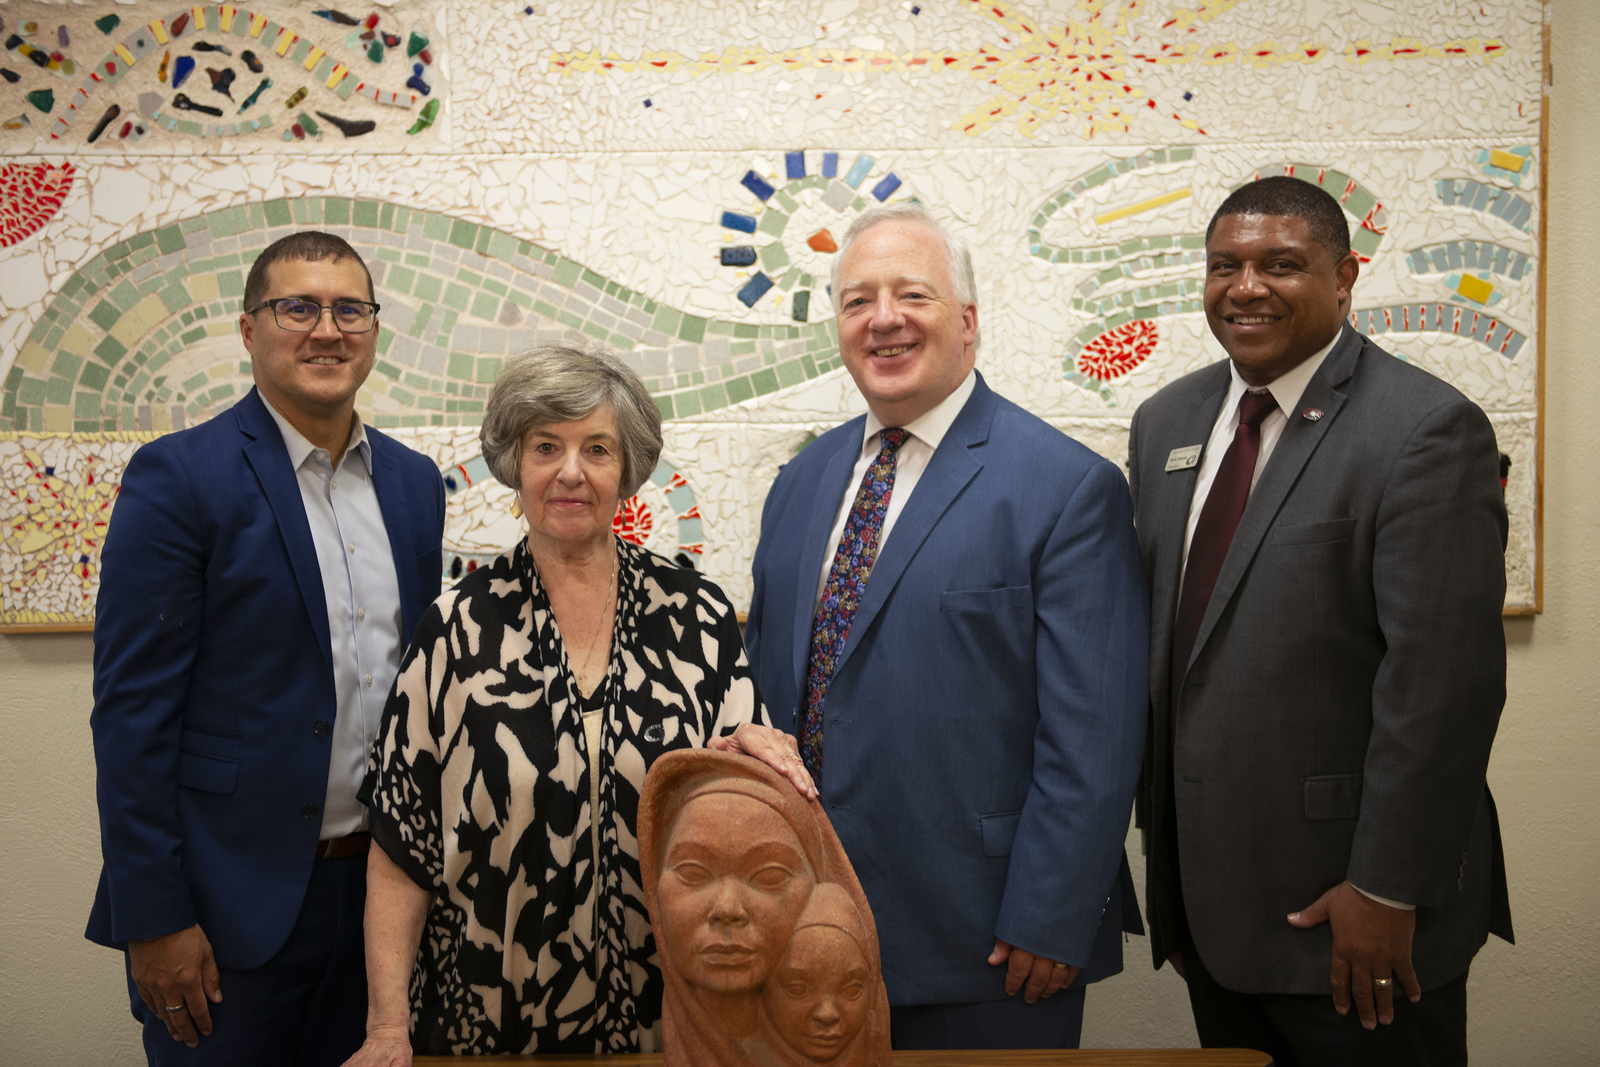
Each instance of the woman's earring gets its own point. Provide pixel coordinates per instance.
(516, 506)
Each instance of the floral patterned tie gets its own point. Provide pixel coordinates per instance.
(847, 581)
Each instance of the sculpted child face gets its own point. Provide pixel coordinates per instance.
(818, 999)
(733, 882)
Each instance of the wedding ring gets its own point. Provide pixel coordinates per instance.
(1382, 983)
(174, 1007)
(1060, 966)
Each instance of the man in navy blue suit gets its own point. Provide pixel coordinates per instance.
(262, 574)
(949, 612)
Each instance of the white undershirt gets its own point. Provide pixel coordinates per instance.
(926, 431)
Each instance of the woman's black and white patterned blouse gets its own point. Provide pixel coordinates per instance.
(478, 785)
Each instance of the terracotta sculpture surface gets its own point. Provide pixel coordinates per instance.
(769, 956)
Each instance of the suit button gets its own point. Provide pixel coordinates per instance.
(320, 728)
(309, 811)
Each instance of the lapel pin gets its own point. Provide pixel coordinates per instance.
(1312, 413)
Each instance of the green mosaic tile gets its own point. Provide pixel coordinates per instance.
(501, 246)
(399, 279)
(745, 329)
(194, 383)
(567, 318)
(481, 245)
(495, 287)
(58, 391)
(463, 233)
(110, 350)
(739, 389)
(86, 406)
(228, 222)
(566, 272)
(791, 373)
(435, 227)
(231, 283)
(488, 367)
(428, 287)
(693, 329)
(365, 212)
(66, 365)
(461, 366)
(386, 216)
(94, 376)
(124, 295)
(713, 397)
(193, 335)
(485, 306)
(174, 297)
(104, 315)
(599, 333)
(547, 310)
(387, 369)
(168, 239)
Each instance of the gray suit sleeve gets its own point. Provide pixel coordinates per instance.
(1438, 575)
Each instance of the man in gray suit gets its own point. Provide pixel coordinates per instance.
(1323, 532)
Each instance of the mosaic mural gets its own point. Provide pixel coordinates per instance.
(674, 183)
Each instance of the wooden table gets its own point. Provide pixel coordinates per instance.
(1170, 1057)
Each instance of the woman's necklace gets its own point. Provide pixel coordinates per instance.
(610, 605)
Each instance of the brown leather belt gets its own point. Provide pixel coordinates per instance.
(338, 848)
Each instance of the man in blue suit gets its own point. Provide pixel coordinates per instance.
(262, 574)
(949, 613)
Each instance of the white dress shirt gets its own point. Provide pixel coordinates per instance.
(926, 431)
(363, 598)
(1286, 391)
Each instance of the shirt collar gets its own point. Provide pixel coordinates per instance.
(300, 449)
(1288, 387)
(931, 426)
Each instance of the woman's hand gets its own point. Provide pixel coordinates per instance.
(386, 1046)
(776, 749)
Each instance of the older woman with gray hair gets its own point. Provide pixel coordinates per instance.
(504, 782)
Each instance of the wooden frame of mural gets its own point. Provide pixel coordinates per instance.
(681, 203)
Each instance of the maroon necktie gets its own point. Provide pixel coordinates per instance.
(1219, 517)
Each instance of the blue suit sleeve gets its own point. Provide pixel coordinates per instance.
(1092, 633)
(146, 637)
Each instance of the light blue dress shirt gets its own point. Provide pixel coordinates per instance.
(363, 597)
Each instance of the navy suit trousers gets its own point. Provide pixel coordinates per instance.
(306, 1006)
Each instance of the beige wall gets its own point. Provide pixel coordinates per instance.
(62, 1000)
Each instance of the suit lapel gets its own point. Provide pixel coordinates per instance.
(1300, 439)
(947, 474)
(265, 452)
(831, 489)
(393, 503)
(1171, 520)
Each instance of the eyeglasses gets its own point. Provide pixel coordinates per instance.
(301, 316)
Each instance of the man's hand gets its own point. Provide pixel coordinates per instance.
(1036, 976)
(386, 1046)
(177, 970)
(776, 749)
(1371, 945)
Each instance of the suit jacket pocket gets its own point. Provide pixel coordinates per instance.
(208, 774)
(206, 762)
(1313, 533)
(999, 830)
(987, 600)
(1332, 796)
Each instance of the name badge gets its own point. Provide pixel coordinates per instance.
(1181, 459)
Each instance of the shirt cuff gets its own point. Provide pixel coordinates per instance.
(1383, 900)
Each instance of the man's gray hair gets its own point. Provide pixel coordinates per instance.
(563, 382)
(957, 256)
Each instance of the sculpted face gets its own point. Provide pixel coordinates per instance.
(818, 998)
(733, 882)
